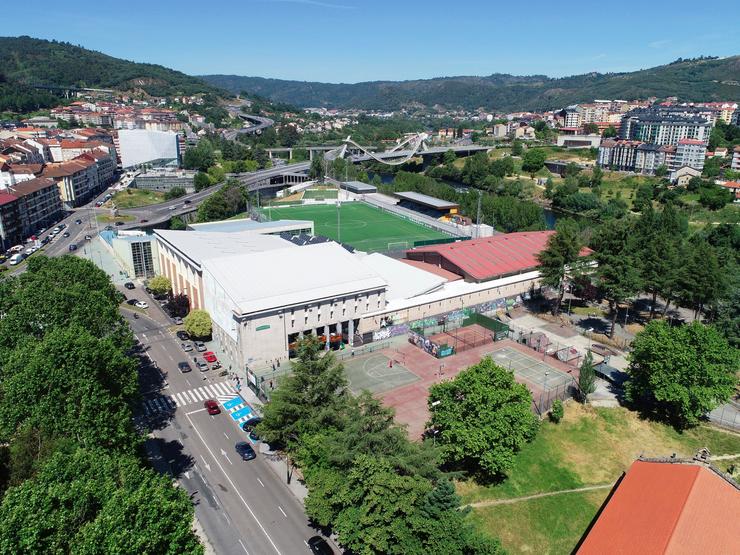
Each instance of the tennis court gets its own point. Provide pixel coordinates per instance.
(358, 224)
(530, 369)
(376, 373)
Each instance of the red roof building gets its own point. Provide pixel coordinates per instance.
(668, 506)
(487, 258)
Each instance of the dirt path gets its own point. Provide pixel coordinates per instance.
(538, 495)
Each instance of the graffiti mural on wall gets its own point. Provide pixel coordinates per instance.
(390, 331)
(423, 343)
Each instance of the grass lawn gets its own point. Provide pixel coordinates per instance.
(134, 198)
(364, 227)
(107, 219)
(590, 446)
(320, 193)
(548, 525)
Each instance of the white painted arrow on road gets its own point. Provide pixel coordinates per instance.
(208, 466)
(227, 458)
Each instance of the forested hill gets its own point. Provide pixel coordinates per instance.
(28, 61)
(690, 80)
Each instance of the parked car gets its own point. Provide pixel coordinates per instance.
(212, 407)
(182, 335)
(184, 367)
(177, 321)
(132, 302)
(245, 451)
(319, 546)
(88, 238)
(119, 223)
(200, 346)
(141, 304)
(46, 240)
(129, 285)
(17, 258)
(210, 356)
(187, 347)
(249, 426)
(78, 221)
(72, 248)
(17, 248)
(65, 234)
(202, 366)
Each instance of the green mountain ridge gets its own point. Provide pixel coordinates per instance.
(29, 61)
(706, 79)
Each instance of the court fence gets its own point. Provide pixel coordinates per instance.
(543, 402)
(541, 343)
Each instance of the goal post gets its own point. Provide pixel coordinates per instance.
(398, 245)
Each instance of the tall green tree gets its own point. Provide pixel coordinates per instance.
(310, 399)
(89, 502)
(533, 161)
(587, 377)
(483, 417)
(559, 256)
(681, 373)
(617, 268)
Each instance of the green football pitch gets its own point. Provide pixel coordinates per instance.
(364, 227)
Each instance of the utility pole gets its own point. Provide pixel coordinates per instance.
(477, 222)
(339, 220)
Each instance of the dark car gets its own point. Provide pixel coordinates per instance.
(132, 302)
(212, 407)
(184, 367)
(183, 335)
(72, 248)
(88, 238)
(65, 234)
(129, 285)
(143, 221)
(186, 201)
(109, 228)
(46, 240)
(119, 223)
(249, 425)
(245, 451)
(78, 221)
(319, 546)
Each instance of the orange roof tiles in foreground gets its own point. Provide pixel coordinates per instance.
(432, 269)
(668, 508)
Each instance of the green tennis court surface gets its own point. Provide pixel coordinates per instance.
(376, 374)
(530, 369)
(364, 227)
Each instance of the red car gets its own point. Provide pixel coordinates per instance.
(209, 356)
(212, 407)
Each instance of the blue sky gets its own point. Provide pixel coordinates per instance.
(362, 40)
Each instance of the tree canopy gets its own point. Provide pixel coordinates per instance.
(483, 417)
(198, 323)
(681, 373)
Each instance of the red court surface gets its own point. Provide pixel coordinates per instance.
(410, 401)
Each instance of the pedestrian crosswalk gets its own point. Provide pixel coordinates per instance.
(221, 391)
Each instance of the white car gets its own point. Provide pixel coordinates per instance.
(172, 208)
(141, 304)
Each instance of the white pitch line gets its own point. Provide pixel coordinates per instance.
(236, 490)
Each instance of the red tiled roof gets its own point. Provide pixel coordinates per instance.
(432, 269)
(731, 184)
(489, 257)
(690, 142)
(6, 198)
(667, 507)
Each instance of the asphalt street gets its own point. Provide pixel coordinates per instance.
(243, 506)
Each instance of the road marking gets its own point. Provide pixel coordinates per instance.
(260, 481)
(236, 490)
(194, 411)
(244, 548)
(282, 511)
(187, 474)
(208, 466)
(226, 436)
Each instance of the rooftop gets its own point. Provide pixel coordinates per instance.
(426, 200)
(404, 281)
(489, 257)
(245, 224)
(289, 276)
(668, 507)
(198, 246)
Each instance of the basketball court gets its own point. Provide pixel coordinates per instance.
(377, 373)
(530, 369)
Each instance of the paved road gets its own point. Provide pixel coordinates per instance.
(243, 506)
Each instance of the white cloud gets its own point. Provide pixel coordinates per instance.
(659, 43)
